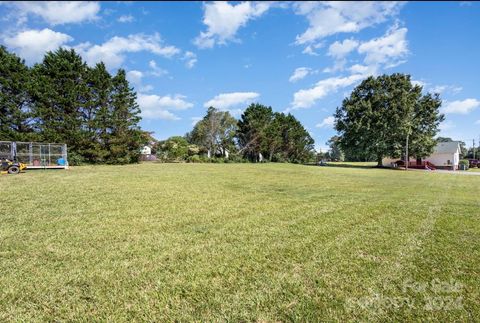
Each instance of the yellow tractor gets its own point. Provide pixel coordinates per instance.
(10, 167)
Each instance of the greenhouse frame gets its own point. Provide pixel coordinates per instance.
(35, 155)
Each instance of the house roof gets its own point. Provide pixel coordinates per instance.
(447, 147)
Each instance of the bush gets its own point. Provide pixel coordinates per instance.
(75, 159)
(463, 164)
(194, 159)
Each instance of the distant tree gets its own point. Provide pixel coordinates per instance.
(97, 115)
(15, 113)
(252, 130)
(382, 112)
(275, 136)
(298, 144)
(60, 96)
(173, 149)
(215, 132)
(335, 152)
(126, 137)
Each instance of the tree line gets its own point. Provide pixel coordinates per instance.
(63, 100)
(259, 135)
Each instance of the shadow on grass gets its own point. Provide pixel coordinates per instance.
(359, 165)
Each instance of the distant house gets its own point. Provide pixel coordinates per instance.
(146, 154)
(446, 156)
(146, 150)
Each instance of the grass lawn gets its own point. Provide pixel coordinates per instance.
(474, 169)
(239, 242)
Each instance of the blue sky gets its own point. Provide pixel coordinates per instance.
(302, 58)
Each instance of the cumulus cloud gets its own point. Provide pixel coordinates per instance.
(113, 51)
(328, 122)
(341, 49)
(135, 77)
(157, 107)
(224, 19)
(226, 101)
(461, 106)
(329, 18)
(125, 18)
(307, 98)
(33, 44)
(60, 12)
(299, 74)
(388, 50)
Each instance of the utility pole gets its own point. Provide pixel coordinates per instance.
(406, 153)
(473, 149)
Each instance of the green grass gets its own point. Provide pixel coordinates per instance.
(239, 242)
(474, 169)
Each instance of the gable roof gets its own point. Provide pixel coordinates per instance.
(447, 147)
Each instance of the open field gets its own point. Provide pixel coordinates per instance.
(239, 242)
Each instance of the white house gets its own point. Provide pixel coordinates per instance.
(146, 150)
(446, 155)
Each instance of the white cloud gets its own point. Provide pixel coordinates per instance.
(461, 106)
(363, 69)
(33, 44)
(341, 49)
(445, 88)
(328, 122)
(135, 77)
(310, 49)
(226, 101)
(156, 70)
(157, 107)
(125, 18)
(307, 98)
(329, 18)
(386, 50)
(419, 83)
(60, 12)
(299, 74)
(112, 52)
(477, 122)
(224, 19)
(190, 58)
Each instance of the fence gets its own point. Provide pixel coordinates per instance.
(35, 154)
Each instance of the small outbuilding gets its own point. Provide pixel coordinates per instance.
(445, 156)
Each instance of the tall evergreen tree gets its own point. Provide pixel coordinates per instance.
(97, 114)
(126, 137)
(14, 99)
(60, 97)
(252, 130)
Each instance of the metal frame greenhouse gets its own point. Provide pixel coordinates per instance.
(35, 155)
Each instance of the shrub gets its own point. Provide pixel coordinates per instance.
(463, 164)
(75, 159)
(194, 159)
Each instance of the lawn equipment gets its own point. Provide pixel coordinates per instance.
(11, 167)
